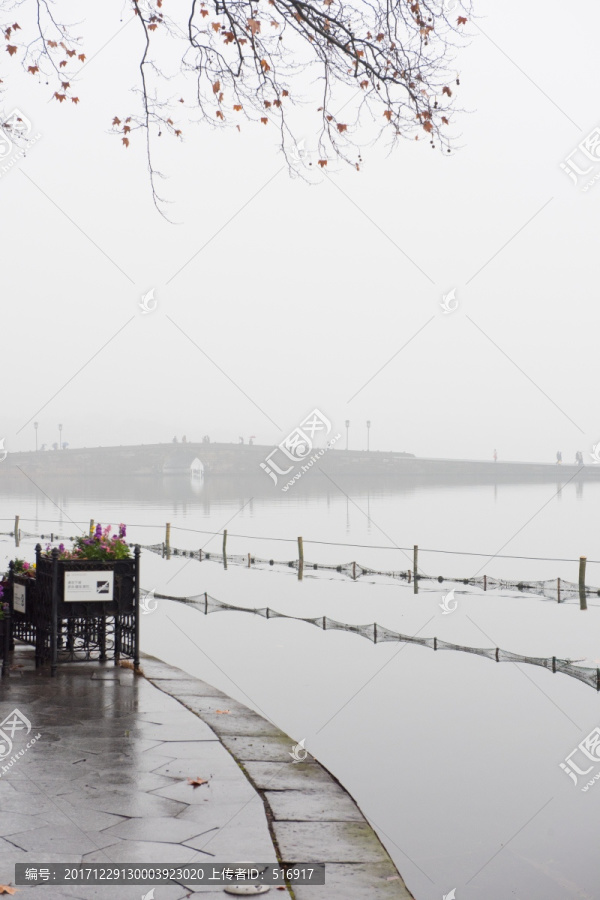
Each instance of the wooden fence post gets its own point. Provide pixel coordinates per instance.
(485, 582)
(300, 558)
(415, 569)
(168, 539)
(582, 597)
(91, 527)
(354, 571)
(17, 535)
(225, 548)
(558, 590)
(249, 560)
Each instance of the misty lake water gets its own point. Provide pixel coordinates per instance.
(453, 759)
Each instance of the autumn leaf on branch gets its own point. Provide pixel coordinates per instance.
(387, 65)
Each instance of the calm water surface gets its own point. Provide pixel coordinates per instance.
(454, 760)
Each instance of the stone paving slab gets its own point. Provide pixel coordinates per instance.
(331, 804)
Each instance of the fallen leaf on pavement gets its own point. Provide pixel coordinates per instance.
(195, 782)
(5, 889)
(223, 712)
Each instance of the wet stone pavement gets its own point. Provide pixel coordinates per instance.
(107, 782)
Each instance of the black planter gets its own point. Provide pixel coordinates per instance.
(86, 609)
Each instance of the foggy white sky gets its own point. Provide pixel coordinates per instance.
(304, 295)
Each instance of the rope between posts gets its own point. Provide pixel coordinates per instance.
(255, 537)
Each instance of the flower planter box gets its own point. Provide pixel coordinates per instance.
(86, 609)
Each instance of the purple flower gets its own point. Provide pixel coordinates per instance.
(61, 547)
(122, 530)
(98, 533)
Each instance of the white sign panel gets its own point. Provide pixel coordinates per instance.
(19, 597)
(83, 587)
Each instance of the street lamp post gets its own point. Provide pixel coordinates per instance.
(368, 430)
(60, 437)
(347, 427)
(35, 425)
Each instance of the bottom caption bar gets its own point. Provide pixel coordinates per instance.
(134, 873)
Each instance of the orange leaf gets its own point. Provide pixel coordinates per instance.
(33, 69)
(116, 121)
(285, 93)
(254, 26)
(216, 26)
(5, 889)
(11, 49)
(71, 52)
(446, 90)
(16, 27)
(322, 162)
(427, 126)
(388, 115)
(445, 120)
(126, 129)
(220, 115)
(75, 100)
(152, 27)
(238, 107)
(222, 712)
(197, 781)
(461, 20)
(265, 65)
(125, 141)
(264, 120)
(341, 128)
(364, 84)
(60, 97)
(81, 57)
(216, 87)
(62, 63)
(204, 12)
